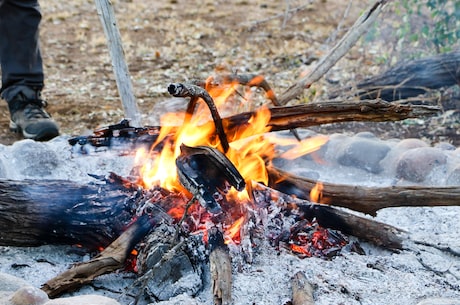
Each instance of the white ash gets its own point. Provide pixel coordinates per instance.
(380, 277)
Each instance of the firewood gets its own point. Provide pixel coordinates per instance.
(220, 265)
(196, 92)
(302, 291)
(362, 198)
(36, 212)
(109, 260)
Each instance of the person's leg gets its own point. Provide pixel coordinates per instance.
(20, 57)
(22, 69)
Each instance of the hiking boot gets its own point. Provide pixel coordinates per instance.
(29, 117)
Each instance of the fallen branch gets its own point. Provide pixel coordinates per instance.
(412, 78)
(365, 199)
(360, 27)
(109, 260)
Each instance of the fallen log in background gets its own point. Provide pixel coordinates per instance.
(411, 78)
(365, 199)
(37, 212)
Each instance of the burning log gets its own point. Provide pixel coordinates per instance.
(364, 199)
(302, 291)
(109, 260)
(281, 118)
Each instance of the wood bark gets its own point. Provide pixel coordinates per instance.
(412, 78)
(365, 199)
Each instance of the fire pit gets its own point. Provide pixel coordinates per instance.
(221, 210)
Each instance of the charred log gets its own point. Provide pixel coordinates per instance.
(63, 212)
(220, 265)
(364, 199)
(412, 78)
(330, 217)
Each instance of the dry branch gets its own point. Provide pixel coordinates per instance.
(109, 260)
(365, 199)
(361, 26)
(302, 116)
(125, 88)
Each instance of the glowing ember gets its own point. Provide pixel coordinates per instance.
(309, 239)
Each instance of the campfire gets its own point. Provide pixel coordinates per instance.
(204, 191)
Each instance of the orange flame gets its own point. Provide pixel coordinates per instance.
(306, 146)
(232, 234)
(316, 194)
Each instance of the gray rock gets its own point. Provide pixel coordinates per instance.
(29, 295)
(33, 159)
(415, 164)
(454, 176)
(410, 144)
(363, 153)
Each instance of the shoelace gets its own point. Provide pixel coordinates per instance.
(34, 109)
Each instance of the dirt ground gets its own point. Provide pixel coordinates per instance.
(177, 40)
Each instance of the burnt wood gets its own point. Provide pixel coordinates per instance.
(109, 260)
(37, 212)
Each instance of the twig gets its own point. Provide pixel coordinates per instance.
(338, 51)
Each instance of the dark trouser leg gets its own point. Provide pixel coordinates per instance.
(20, 57)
